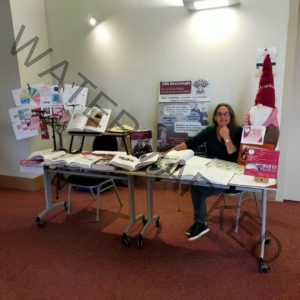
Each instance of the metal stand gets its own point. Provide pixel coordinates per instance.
(57, 128)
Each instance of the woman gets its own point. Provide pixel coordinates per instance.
(222, 141)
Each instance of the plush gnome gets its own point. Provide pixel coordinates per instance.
(264, 112)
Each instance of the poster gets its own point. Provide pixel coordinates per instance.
(29, 96)
(262, 163)
(24, 124)
(182, 112)
(37, 105)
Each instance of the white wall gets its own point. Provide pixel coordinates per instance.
(288, 187)
(10, 149)
(14, 74)
(138, 44)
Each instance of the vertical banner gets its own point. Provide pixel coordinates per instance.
(183, 107)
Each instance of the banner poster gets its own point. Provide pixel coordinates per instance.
(182, 112)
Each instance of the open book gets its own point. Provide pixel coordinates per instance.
(132, 163)
(198, 169)
(121, 129)
(168, 162)
(105, 158)
(84, 160)
(89, 119)
(47, 154)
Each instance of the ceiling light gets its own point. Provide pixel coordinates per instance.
(208, 4)
(92, 21)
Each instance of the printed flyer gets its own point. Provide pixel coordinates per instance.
(262, 163)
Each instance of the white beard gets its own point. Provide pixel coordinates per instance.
(259, 114)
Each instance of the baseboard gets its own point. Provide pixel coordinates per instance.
(21, 183)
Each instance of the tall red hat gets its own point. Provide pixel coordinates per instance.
(266, 89)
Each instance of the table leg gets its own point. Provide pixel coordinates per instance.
(132, 215)
(48, 199)
(262, 266)
(150, 217)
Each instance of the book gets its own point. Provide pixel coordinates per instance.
(253, 134)
(105, 158)
(89, 120)
(103, 164)
(32, 166)
(219, 164)
(141, 142)
(124, 128)
(245, 147)
(47, 154)
(207, 174)
(169, 161)
(211, 171)
(131, 163)
(79, 160)
(32, 169)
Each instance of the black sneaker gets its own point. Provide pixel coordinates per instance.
(190, 229)
(198, 230)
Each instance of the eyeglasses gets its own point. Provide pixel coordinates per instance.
(224, 114)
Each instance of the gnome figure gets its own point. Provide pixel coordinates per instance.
(264, 112)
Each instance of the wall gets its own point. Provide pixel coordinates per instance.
(288, 187)
(9, 78)
(14, 74)
(138, 44)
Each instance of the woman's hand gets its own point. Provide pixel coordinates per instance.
(224, 133)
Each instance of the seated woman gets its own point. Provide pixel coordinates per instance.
(222, 141)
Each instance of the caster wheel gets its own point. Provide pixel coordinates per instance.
(264, 268)
(139, 241)
(39, 223)
(144, 220)
(157, 223)
(126, 240)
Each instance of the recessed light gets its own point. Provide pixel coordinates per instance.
(92, 21)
